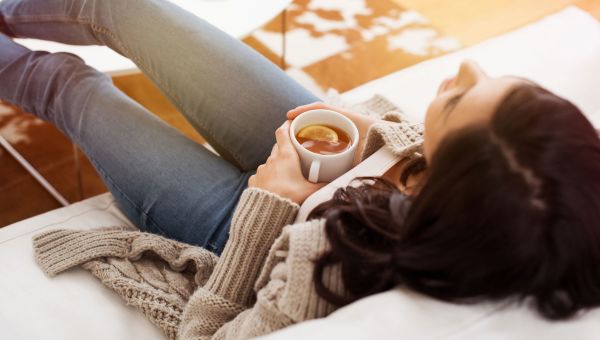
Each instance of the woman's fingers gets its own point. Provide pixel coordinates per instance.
(273, 155)
(282, 134)
(282, 173)
(300, 109)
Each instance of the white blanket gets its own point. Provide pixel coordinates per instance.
(399, 314)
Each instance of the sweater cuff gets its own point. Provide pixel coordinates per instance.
(403, 139)
(59, 250)
(257, 221)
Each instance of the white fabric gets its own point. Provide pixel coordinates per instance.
(403, 315)
(74, 305)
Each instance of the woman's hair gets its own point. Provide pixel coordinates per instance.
(509, 209)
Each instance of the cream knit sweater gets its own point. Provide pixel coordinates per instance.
(261, 283)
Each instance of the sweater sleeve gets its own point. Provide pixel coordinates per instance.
(397, 133)
(257, 222)
(153, 274)
(285, 290)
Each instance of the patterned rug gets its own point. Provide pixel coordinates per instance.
(342, 44)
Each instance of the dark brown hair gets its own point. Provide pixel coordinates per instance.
(509, 209)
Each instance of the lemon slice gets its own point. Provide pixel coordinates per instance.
(319, 133)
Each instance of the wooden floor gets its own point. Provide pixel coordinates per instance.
(469, 21)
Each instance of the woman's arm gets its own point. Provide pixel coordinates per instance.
(257, 221)
(286, 292)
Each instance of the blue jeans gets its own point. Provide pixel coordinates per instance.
(162, 181)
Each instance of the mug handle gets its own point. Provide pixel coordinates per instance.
(313, 173)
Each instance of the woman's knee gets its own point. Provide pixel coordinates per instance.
(48, 79)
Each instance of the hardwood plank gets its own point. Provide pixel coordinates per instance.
(20, 195)
(44, 147)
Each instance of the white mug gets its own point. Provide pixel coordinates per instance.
(324, 168)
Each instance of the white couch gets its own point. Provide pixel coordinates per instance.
(561, 52)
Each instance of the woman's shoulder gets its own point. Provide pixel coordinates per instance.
(303, 233)
(298, 243)
(304, 241)
(287, 276)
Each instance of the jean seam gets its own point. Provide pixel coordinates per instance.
(109, 179)
(21, 19)
(112, 183)
(243, 182)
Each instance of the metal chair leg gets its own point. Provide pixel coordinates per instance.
(33, 172)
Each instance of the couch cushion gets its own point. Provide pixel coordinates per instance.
(398, 314)
(73, 305)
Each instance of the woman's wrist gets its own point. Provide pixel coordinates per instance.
(369, 121)
(295, 193)
(301, 192)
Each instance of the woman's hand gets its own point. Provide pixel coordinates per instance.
(281, 174)
(362, 122)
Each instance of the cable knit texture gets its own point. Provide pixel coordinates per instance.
(261, 283)
(395, 131)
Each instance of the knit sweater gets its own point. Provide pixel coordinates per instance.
(262, 281)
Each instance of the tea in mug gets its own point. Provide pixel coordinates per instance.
(324, 139)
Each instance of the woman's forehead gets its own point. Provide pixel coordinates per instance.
(480, 103)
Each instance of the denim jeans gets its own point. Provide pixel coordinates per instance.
(162, 181)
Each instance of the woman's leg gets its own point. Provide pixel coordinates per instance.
(232, 95)
(164, 182)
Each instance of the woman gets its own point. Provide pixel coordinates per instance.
(507, 206)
